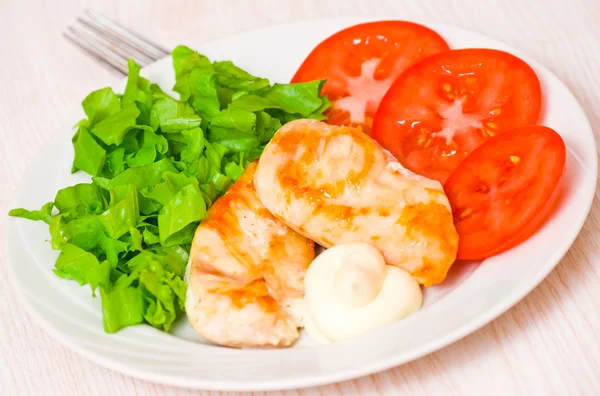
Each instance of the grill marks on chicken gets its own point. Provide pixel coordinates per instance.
(336, 185)
(246, 279)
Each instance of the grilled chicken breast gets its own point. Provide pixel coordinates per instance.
(336, 185)
(246, 273)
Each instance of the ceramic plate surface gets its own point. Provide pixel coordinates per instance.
(474, 293)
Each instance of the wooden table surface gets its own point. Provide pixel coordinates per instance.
(547, 344)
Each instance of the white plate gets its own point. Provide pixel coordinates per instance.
(472, 296)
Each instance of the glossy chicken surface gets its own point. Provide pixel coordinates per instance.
(336, 185)
(246, 273)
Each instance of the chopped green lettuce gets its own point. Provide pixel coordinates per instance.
(157, 164)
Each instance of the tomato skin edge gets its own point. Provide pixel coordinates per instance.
(308, 60)
(527, 231)
(544, 212)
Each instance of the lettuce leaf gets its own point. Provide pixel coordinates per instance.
(138, 91)
(100, 105)
(150, 146)
(84, 232)
(122, 307)
(230, 76)
(235, 129)
(90, 156)
(301, 99)
(112, 129)
(77, 264)
(44, 214)
(173, 115)
(123, 212)
(80, 200)
(185, 208)
(143, 176)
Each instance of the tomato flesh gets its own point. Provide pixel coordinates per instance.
(361, 62)
(444, 107)
(505, 190)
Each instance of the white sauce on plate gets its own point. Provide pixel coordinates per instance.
(349, 291)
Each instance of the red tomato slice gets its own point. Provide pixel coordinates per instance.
(505, 190)
(361, 62)
(444, 107)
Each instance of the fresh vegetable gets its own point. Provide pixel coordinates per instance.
(361, 62)
(505, 190)
(158, 163)
(444, 107)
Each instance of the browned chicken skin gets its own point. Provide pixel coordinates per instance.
(336, 185)
(246, 279)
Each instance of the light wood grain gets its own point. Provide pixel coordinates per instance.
(547, 344)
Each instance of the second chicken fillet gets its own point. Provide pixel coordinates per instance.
(336, 185)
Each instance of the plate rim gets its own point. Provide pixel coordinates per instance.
(331, 376)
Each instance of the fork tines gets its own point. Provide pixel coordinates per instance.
(111, 43)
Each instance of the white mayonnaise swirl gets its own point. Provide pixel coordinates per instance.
(349, 290)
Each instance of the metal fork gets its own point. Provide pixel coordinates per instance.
(112, 44)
